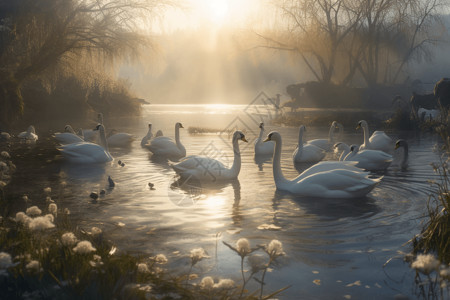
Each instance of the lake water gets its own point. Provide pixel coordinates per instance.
(335, 248)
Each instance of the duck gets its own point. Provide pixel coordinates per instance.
(325, 144)
(167, 147)
(262, 148)
(378, 141)
(209, 169)
(370, 160)
(120, 139)
(68, 136)
(335, 181)
(306, 152)
(403, 144)
(86, 152)
(29, 136)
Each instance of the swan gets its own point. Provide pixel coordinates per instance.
(120, 139)
(323, 182)
(262, 148)
(307, 152)
(29, 136)
(210, 169)
(403, 144)
(88, 153)
(68, 136)
(371, 160)
(92, 135)
(146, 139)
(343, 148)
(165, 146)
(159, 133)
(325, 144)
(378, 141)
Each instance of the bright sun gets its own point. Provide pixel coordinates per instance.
(217, 10)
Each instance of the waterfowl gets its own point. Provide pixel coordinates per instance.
(403, 144)
(93, 135)
(29, 136)
(378, 141)
(165, 146)
(325, 144)
(210, 169)
(262, 148)
(68, 136)
(343, 149)
(330, 182)
(306, 152)
(148, 136)
(371, 160)
(120, 139)
(88, 153)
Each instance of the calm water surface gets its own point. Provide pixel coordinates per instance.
(335, 248)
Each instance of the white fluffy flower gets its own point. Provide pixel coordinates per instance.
(243, 246)
(160, 259)
(197, 255)
(84, 247)
(53, 208)
(33, 211)
(224, 284)
(425, 263)
(5, 260)
(48, 190)
(5, 154)
(33, 266)
(207, 283)
(95, 231)
(275, 247)
(41, 223)
(445, 272)
(68, 239)
(21, 217)
(142, 268)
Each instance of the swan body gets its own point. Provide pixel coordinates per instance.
(262, 148)
(120, 139)
(403, 144)
(159, 133)
(165, 146)
(146, 139)
(210, 169)
(87, 153)
(307, 152)
(93, 135)
(325, 144)
(334, 181)
(29, 135)
(378, 141)
(68, 136)
(342, 148)
(371, 160)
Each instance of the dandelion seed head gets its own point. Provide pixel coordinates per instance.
(95, 231)
(50, 217)
(5, 260)
(25, 198)
(68, 239)
(21, 217)
(48, 190)
(425, 263)
(2, 184)
(207, 283)
(84, 247)
(49, 199)
(142, 268)
(197, 255)
(53, 208)
(33, 211)
(243, 246)
(66, 211)
(41, 223)
(275, 247)
(33, 266)
(161, 259)
(5, 154)
(224, 284)
(445, 272)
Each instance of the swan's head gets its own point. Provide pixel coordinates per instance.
(179, 125)
(261, 125)
(354, 148)
(334, 124)
(273, 136)
(401, 143)
(68, 128)
(341, 146)
(31, 129)
(98, 127)
(239, 135)
(149, 126)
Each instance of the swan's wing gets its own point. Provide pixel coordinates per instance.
(321, 143)
(119, 139)
(373, 156)
(380, 141)
(327, 166)
(197, 162)
(85, 152)
(67, 138)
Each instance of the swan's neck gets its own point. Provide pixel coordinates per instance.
(277, 173)
(366, 134)
(261, 133)
(236, 167)
(350, 154)
(300, 141)
(103, 140)
(344, 154)
(331, 134)
(404, 163)
(178, 142)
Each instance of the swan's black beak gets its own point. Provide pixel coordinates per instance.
(267, 139)
(243, 139)
(397, 145)
(181, 125)
(358, 127)
(336, 145)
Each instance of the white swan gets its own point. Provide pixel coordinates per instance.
(29, 136)
(343, 149)
(120, 139)
(165, 146)
(148, 136)
(87, 153)
(403, 144)
(262, 148)
(329, 182)
(93, 135)
(325, 144)
(209, 169)
(371, 160)
(68, 136)
(378, 141)
(307, 152)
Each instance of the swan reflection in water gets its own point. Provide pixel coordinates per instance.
(260, 160)
(85, 172)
